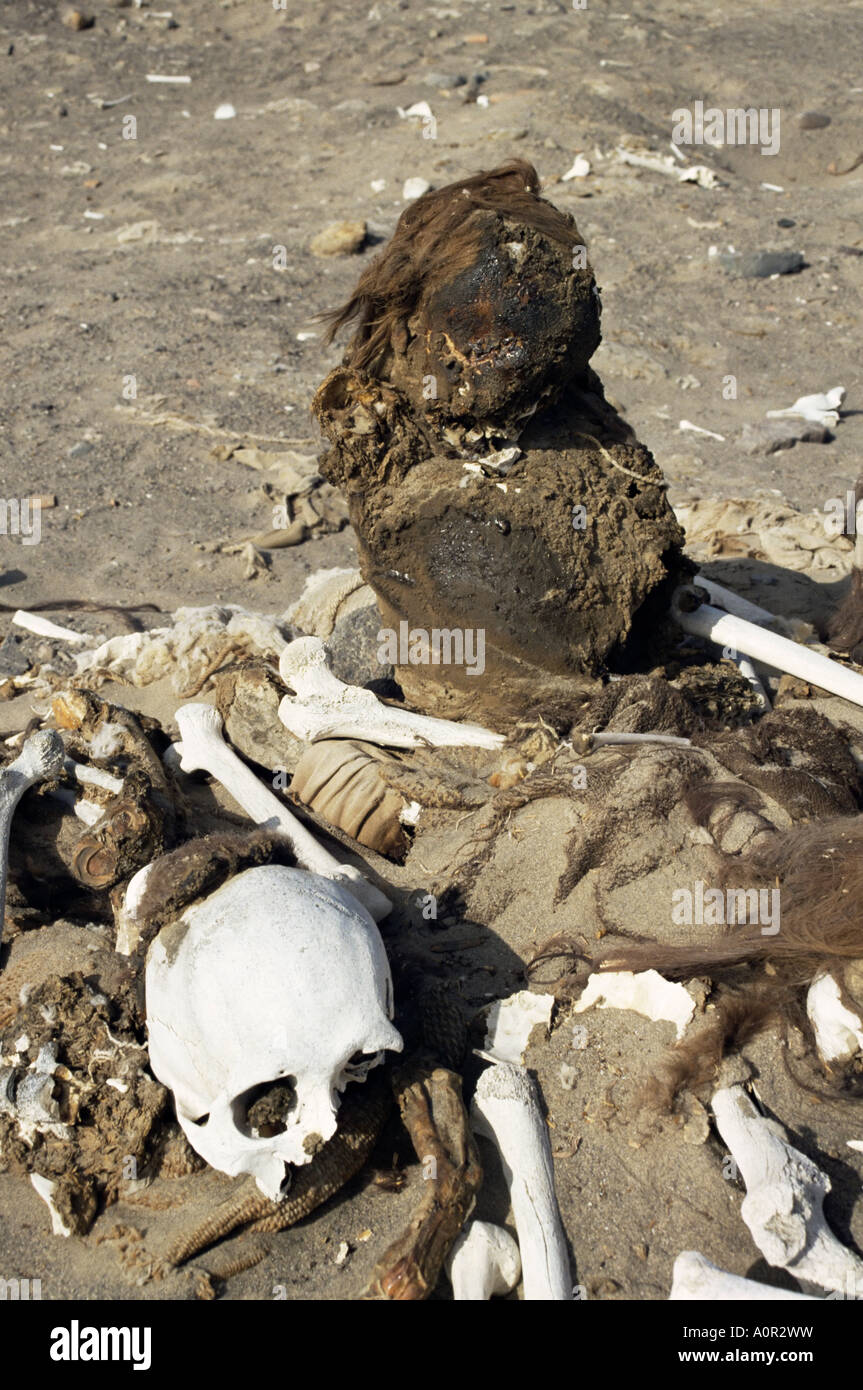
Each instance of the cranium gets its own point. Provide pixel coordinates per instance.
(263, 1001)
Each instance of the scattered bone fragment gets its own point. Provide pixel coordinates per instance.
(584, 742)
(46, 1188)
(414, 188)
(484, 1261)
(324, 707)
(687, 425)
(247, 697)
(203, 748)
(579, 169)
(785, 1193)
(40, 759)
(838, 1030)
(127, 918)
(666, 164)
(90, 812)
(822, 408)
(506, 1110)
(43, 627)
(697, 1279)
(28, 1095)
(93, 776)
(646, 993)
(510, 1023)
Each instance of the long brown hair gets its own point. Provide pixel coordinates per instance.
(435, 238)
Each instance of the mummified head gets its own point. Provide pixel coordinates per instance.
(481, 304)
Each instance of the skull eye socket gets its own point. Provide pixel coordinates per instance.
(263, 1111)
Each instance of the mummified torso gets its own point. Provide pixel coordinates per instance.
(492, 487)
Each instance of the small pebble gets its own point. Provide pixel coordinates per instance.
(769, 436)
(76, 19)
(414, 188)
(813, 120)
(786, 222)
(339, 239)
(759, 265)
(13, 660)
(225, 112)
(444, 80)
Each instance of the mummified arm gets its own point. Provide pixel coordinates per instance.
(434, 1115)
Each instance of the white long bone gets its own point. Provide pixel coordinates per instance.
(698, 1280)
(43, 627)
(324, 707)
(41, 757)
(202, 748)
(823, 407)
(506, 1110)
(785, 1193)
(483, 1261)
(770, 649)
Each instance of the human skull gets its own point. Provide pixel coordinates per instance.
(263, 1001)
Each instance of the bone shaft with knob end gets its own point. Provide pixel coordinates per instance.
(785, 1194)
(698, 1280)
(506, 1110)
(484, 1260)
(324, 707)
(772, 650)
(202, 748)
(40, 758)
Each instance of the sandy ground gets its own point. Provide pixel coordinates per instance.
(153, 258)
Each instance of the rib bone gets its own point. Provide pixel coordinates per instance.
(41, 757)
